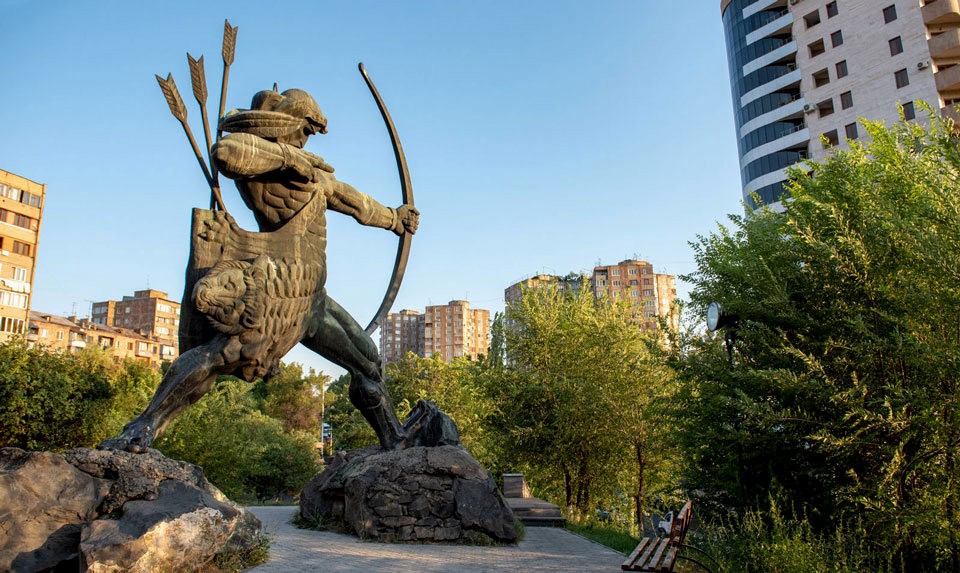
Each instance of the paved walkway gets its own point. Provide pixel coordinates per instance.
(543, 549)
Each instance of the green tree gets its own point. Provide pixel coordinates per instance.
(350, 430)
(843, 387)
(51, 401)
(243, 451)
(454, 387)
(579, 401)
(293, 398)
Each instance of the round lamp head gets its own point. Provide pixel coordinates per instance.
(713, 316)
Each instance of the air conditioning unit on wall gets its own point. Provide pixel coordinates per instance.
(809, 108)
(923, 65)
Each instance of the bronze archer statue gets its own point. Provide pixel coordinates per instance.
(250, 297)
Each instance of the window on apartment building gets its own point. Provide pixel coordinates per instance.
(616, 283)
(832, 10)
(812, 19)
(830, 138)
(633, 282)
(8, 324)
(645, 272)
(648, 281)
(59, 335)
(648, 292)
(19, 274)
(23, 221)
(9, 192)
(841, 69)
(3, 215)
(825, 107)
(889, 14)
(836, 38)
(30, 199)
(901, 78)
(908, 111)
(816, 48)
(851, 129)
(634, 293)
(633, 271)
(21, 248)
(615, 272)
(846, 100)
(896, 46)
(821, 78)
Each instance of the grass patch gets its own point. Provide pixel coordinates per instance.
(236, 560)
(612, 537)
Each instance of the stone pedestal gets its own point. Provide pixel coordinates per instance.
(420, 493)
(111, 511)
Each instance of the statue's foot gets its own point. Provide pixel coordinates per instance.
(135, 438)
(428, 426)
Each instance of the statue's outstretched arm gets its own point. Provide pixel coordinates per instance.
(343, 198)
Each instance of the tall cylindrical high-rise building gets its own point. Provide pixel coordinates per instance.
(802, 72)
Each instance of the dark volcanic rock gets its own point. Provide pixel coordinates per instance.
(416, 494)
(106, 511)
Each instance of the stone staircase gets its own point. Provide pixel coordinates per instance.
(531, 511)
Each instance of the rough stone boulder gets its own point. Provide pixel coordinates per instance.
(416, 494)
(106, 511)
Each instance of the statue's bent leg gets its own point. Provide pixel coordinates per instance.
(186, 381)
(341, 340)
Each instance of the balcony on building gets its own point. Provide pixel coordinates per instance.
(950, 111)
(940, 15)
(945, 47)
(948, 81)
(777, 22)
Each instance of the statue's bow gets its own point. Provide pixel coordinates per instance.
(403, 249)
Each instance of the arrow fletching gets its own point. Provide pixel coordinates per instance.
(229, 42)
(198, 78)
(169, 88)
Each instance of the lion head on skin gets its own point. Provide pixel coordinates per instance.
(233, 293)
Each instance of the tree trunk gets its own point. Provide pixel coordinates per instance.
(638, 498)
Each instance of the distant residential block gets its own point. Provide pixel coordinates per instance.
(571, 282)
(148, 312)
(631, 279)
(21, 210)
(400, 333)
(635, 281)
(449, 331)
(69, 334)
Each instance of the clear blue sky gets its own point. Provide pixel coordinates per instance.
(542, 136)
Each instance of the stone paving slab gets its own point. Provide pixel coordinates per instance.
(543, 549)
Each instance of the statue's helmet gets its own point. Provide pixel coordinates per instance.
(273, 114)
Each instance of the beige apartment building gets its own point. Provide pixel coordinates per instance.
(571, 282)
(400, 333)
(631, 279)
(148, 312)
(68, 334)
(21, 210)
(448, 331)
(634, 280)
(802, 71)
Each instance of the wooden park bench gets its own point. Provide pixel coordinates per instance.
(660, 553)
